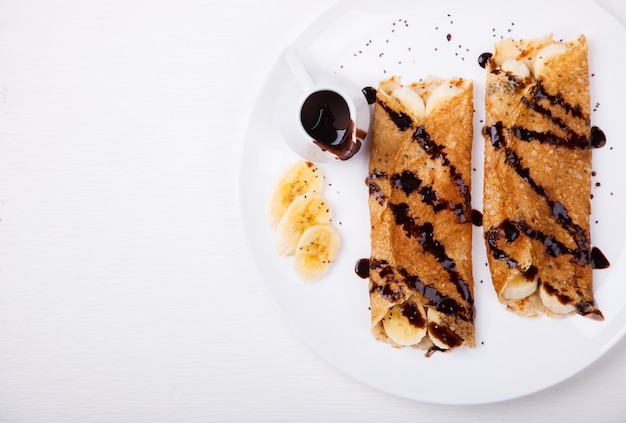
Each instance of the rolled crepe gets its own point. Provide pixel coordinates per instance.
(421, 286)
(538, 176)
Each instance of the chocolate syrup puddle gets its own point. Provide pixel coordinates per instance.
(362, 268)
(598, 139)
(477, 218)
(483, 59)
(598, 259)
(370, 94)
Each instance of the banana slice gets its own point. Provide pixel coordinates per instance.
(517, 287)
(298, 179)
(520, 50)
(440, 333)
(316, 251)
(440, 95)
(545, 54)
(405, 324)
(522, 282)
(516, 67)
(305, 211)
(553, 303)
(411, 101)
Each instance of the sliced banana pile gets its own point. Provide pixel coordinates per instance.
(302, 218)
(527, 59)
(420, 99)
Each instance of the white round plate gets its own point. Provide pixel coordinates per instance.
(368, 41)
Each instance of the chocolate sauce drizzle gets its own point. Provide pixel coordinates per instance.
(410, 183)
(436, 152)
(410, 311)
(424, 234)
(492, 235)
(395, 283)
(572, 141)
(539, 93)
(391, 289)
(401, 120)
(374, 188)
(539, 100)
(442, 303)
(559, 211)
(511, 230)
(444, 334)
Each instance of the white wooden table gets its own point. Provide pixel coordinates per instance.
(126, 289)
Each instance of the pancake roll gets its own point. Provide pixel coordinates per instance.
(421, 285)
(537, 181)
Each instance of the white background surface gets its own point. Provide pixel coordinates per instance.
(126, 289)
